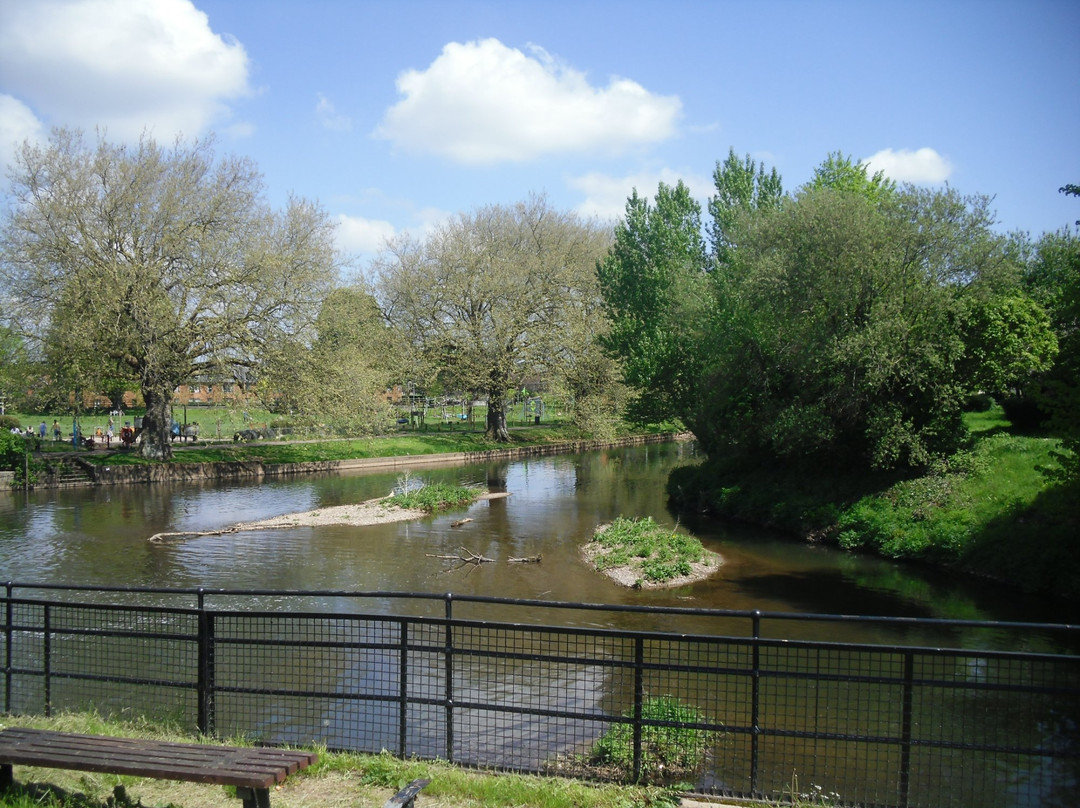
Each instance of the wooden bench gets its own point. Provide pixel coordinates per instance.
(406, 798)
(251, 770)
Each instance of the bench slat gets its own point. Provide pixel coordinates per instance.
(257, 767)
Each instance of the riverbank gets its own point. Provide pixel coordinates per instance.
(232, 461)
(988, 511)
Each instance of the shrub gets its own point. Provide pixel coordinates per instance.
(666, 751)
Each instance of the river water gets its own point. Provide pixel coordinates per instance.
(99, 536)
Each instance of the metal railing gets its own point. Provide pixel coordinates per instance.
(706, 698)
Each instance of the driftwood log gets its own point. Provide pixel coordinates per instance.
(465, 557)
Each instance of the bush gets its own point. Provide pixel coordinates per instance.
(9, 422)
(12, 449)
(666, 751)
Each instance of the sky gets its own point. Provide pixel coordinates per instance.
(397, 115)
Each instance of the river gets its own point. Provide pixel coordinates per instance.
(98, 536)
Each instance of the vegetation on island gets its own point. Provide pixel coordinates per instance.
(648, 552)
(829, 346)
(432, 497)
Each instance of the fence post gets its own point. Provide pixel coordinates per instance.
(46, 667)
(205, 684)
(448, 652)
(10, 615)
(755, 700)
(905, 728)
(403, 687)
(639, 698)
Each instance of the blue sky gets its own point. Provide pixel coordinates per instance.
(395, 115)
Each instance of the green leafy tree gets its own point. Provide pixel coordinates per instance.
(653, 282)
(1010, 340)
(341, 378)
(493, 297)
(838, 340)
(840, 172)
(1053, 278)
(742, 186)
(165, 264)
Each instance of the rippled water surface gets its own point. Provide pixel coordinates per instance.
(99, 536)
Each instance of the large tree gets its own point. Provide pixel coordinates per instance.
(494, 296)
(164, 263)
(653, 281)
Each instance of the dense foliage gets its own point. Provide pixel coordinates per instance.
(843, 326)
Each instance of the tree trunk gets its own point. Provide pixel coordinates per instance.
(156, 437)
(496, 417)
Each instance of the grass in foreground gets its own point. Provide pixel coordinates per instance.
(336, 781)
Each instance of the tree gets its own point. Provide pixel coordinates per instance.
(837, 339)
(841, 173)
(342, 377)
(494, 296)
(741, 187)
(652, 281)
(1053, 278)
(1009, 340)
(166, 264)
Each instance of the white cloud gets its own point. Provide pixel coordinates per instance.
(17, 124)
(922, 166)
(605, 196)
(126, 65)
(484, 103)
(356, 235)
(328, 116)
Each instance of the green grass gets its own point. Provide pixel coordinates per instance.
(659, 554)
(336, 780)
(434, 497)
(988, 509)
(398, 445)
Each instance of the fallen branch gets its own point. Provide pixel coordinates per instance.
(526, 559)
(162, 538)
(465, 557)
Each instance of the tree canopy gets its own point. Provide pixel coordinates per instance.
(494, 296)
(164, 265)
(651, 282)
(844, 325)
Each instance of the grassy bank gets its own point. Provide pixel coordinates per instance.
(987, 510)
(337, 780)
(399, 445)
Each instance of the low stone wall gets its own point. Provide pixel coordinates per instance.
(195, 472)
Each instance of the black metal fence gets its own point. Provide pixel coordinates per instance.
(707, 698)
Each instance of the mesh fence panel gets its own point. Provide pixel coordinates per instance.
(734, 716)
